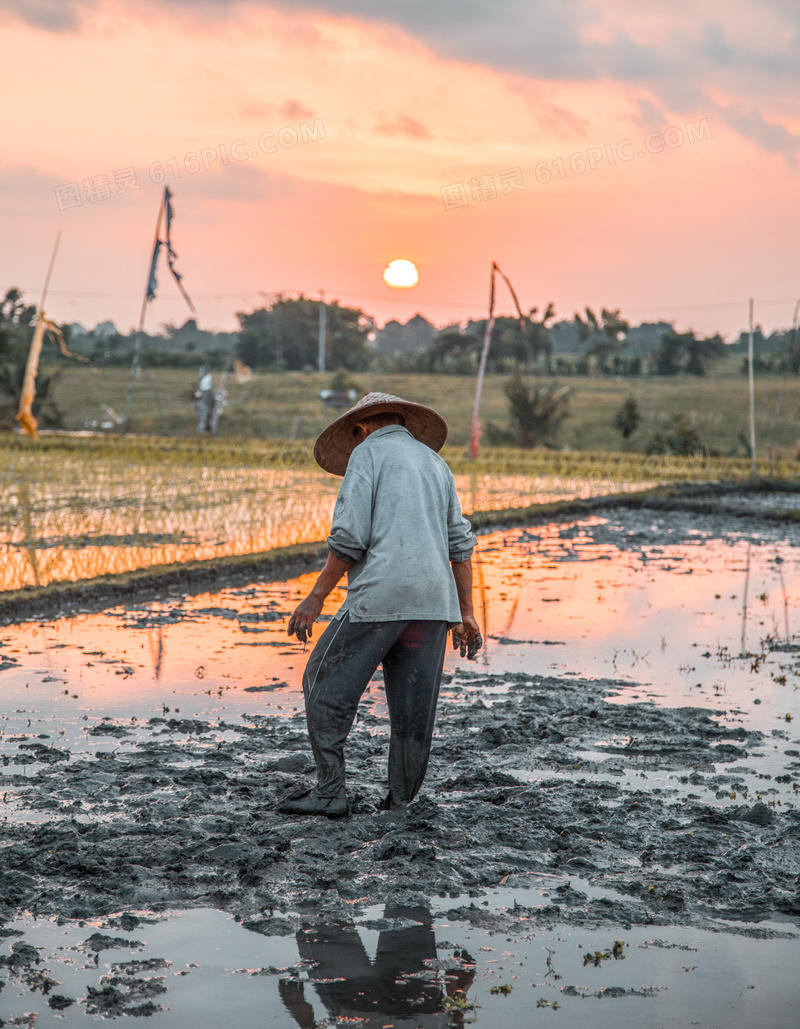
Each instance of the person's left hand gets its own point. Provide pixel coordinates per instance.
(302, 621)
(467, 637)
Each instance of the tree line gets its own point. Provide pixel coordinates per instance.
(284, 335)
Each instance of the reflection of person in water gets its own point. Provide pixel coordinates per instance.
(350, 985)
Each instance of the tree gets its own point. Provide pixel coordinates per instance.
(417, 334)
(454, 353)
(286, 335)
(539, 338)
(684, 352)
(678, 437)
(535, 414)
(604, 338)
(668, 354)
(628, 418)
(516, 346)
(13, 312)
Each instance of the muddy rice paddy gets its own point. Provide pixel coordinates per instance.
(609, 830)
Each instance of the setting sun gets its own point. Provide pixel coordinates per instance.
(401, 274)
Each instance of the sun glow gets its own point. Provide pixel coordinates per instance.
(401, 275)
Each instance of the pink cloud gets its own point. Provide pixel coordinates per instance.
(403, 125)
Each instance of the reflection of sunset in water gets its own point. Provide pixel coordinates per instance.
(499, 492)
(594, 598)
(682, 623)
(198, 649)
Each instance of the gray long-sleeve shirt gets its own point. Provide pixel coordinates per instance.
(398, 520)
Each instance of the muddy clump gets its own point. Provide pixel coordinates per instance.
(549, 779)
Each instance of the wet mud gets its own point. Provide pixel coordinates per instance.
(546, 777)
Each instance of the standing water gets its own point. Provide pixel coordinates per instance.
(608, 830)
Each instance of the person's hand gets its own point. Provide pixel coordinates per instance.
(305, 614)
(467, 637)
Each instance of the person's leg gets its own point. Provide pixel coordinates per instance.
(412, 672)
(337, 673)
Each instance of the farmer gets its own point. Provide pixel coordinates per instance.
(397, 531)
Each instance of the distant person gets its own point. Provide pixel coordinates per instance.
(204, 401)
(397, 531)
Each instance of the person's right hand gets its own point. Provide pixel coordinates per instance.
(467, 637)
(302, 620)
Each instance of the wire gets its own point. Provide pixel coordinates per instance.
(435, 303)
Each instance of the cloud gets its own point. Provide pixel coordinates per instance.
(542, 38)
(55, 15)
(583, 39)
(241, 182)
(402, 125)
(562, 39)
(649, 115)
(750, 123)
(681, 53)
(292, 110)
(26, 190)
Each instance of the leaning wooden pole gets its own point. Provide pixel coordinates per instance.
(475, 429)
(137, 346)
(25, 415)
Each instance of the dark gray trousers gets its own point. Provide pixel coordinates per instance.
(336, 676)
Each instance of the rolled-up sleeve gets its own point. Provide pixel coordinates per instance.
(352, 518)
(460, 537)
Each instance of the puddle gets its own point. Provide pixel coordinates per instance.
(673, 613)
(625, 732)
(504, 960)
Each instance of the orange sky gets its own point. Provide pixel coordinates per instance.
(436, 97)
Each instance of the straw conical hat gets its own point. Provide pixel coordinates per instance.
(336, 443)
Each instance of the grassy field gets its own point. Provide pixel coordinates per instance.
(286, 406)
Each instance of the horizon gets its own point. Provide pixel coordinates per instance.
(161, 330)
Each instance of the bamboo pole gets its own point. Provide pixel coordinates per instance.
(475, 429)
(50, 271)
(137, 347)
(25, 415)
(322, 333)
